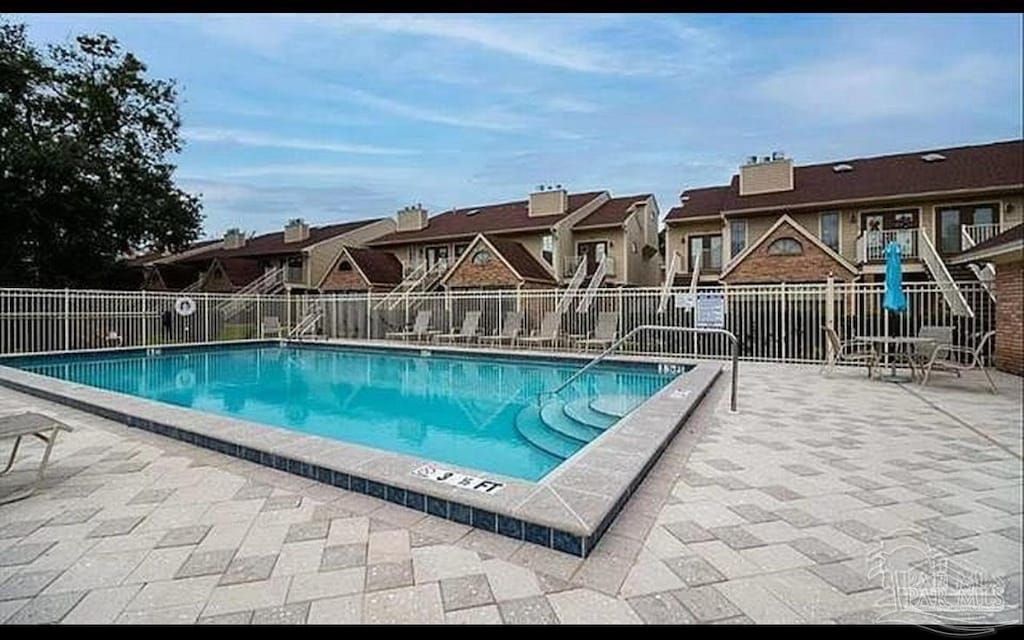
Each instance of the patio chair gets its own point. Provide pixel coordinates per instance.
(947, 357)
(470, 322)
(510, 329)
(271, 325)
(550, 324)
(605, 331)
(420, 328)
(850, 352)
(20, 425)
(922, 353)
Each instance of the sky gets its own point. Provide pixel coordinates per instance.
(346, 116)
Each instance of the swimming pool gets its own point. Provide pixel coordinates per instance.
(475, 411)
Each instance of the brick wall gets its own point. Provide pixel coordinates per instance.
(344, 281)
(492, 274)
(1009, 354)
(813, 266)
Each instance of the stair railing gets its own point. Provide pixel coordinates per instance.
(657, 328)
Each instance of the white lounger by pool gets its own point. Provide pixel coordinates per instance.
(29, 424)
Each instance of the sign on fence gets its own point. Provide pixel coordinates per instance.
(710, 311)
(684, 300)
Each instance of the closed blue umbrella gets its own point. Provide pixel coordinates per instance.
(895, 299)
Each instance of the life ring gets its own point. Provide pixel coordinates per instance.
(185, 379)
(185, 306)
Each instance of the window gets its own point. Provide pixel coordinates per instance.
(709, 248)
(436, 254)
(481, 257)
(344, 265)
(786, 247)
(548, 248)
(737, 237)
(829, 229)
(460, 248)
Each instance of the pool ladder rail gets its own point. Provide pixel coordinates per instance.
(663, 329)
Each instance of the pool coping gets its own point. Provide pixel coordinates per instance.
(568, 510)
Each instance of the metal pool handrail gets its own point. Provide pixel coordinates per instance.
(654, 327)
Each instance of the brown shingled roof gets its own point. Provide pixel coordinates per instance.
(240, 271)
(699, 203)
(612, 212)
(274, 244)
(521, 260)
(146, 258)
(1013, 235)
(999, 164)
(379, 267)
(492, 218)
(176, 276)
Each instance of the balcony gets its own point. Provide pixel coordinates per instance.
(571, 263)
(978, 233)
(871, 244)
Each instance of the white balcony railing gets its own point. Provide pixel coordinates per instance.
(571, 263)
(978, 233)
(871, 244)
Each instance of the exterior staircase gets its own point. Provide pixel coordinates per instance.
(307, 324)
(986, 274)
(937, 268)
(593, 285)
(421, 278)
(670, 278)
(561, 428)
(269, 282)
(574, 284)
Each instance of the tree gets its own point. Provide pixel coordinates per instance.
(84, 174)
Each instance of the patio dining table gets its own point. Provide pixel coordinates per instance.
(878, 342)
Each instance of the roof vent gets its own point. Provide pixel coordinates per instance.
(933, 157)
(472, 212)
(842, 168)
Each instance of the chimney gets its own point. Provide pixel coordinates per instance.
(772, 174)
(234, 238)
(411, 218)
(548, 201)
(296, 230)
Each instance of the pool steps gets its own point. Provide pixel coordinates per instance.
(561, 428)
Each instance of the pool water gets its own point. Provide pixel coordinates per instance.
(472, 411)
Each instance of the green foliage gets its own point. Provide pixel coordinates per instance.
(237, 332)
(84, 176)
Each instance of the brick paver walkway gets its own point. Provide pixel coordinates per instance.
(796, 509)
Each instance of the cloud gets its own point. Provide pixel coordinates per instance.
(531, 39)
(570, 105)
(266, 207)
(865, 88)
(258, 139)
(492, 119)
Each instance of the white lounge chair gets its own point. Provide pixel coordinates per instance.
(420, 328)
(550, 324)
(604, 333)
(947, 357)
(850, 352)
(510, 329)
(20, 425)
(271, 325)
(470, 322)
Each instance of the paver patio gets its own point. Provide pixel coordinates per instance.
(775, 514)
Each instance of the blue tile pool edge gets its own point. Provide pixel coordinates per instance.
(475, 516)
